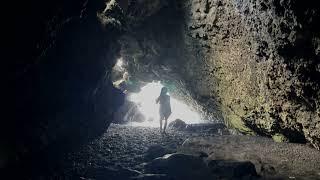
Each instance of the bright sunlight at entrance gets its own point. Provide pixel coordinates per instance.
(146, 100)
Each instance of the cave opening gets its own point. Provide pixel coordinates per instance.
(141, 97)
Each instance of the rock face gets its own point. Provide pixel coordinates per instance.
(262, 63)
(256, 63)
(60, 94)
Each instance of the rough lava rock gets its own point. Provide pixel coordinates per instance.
(252, 63)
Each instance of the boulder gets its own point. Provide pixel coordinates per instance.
(267, 170)
(156, 151)
(177, 124)
(280, 138)
(232, 169)
(180, 166)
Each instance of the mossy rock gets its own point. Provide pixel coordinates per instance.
(280, 138)
(235, 122)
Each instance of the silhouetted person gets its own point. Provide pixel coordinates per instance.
(165, 108)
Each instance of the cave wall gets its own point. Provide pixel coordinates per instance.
(262, 63)
(254, 62)
(59, 93)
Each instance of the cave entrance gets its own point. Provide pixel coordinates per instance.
(140, 108)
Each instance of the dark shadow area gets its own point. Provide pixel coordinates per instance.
(59, 94)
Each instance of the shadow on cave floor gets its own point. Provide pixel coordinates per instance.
(133, 152)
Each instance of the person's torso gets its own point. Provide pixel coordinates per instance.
(165, 102)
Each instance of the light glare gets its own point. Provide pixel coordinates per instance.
(146, 101)
(119, 63)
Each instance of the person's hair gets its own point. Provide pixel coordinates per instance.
(125, 76)
(164, 91)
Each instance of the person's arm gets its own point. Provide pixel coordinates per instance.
(157, 100)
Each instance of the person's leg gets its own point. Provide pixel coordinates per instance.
(166, 121)
(161, 117)
(165, 125)
(160, 125)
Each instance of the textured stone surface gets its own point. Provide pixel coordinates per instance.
(253, 62)
(261, 63)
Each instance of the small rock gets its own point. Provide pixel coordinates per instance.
(267, 170)
(279, 138)
(203, 154)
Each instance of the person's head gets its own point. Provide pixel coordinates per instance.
(164, 91)
(125, 76)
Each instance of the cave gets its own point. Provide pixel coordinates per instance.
(82, 78)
